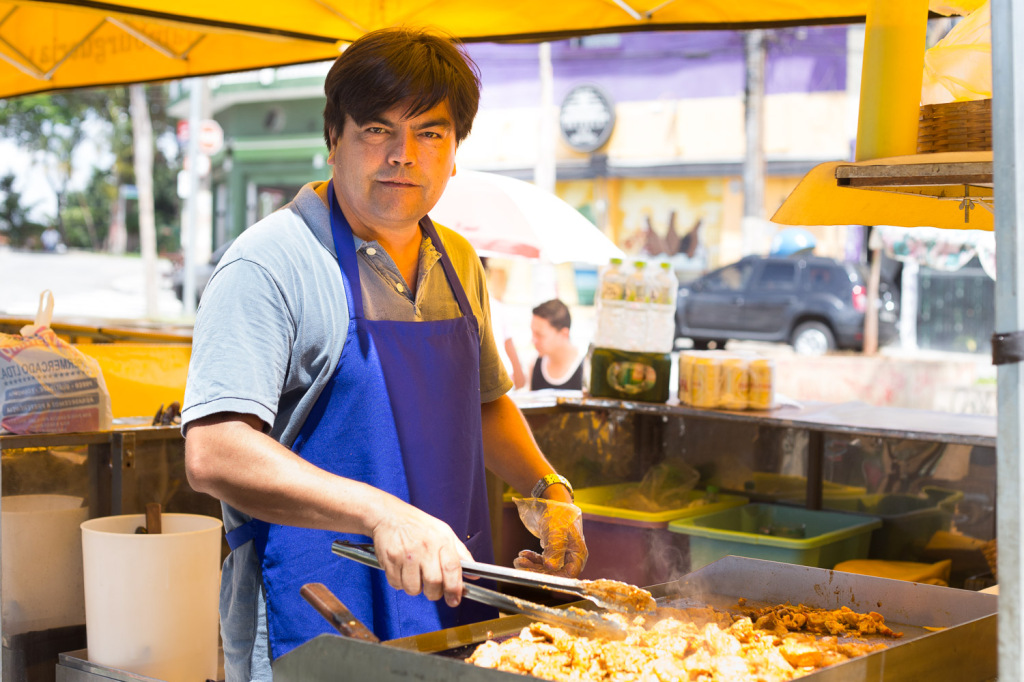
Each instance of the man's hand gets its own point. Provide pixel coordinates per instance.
(420, 553)
(560, 528)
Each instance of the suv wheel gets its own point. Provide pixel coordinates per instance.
(813, 338)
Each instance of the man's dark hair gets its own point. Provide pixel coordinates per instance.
(396, 65)
(555, 312)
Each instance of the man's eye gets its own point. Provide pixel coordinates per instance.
(432, 135)
(376, 130)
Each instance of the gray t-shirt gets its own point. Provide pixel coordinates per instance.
(267, 339)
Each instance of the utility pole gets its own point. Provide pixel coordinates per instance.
(142, 140)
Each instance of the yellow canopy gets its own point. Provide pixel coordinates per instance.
(906, 191)
(56, 45)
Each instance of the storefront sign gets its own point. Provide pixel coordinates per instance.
(586, 118)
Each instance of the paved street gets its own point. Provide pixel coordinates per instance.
(83, 284)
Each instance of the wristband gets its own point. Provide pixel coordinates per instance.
(550, 480)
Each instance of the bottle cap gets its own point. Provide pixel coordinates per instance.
(639, 263)
(665, 265)
(616, 261)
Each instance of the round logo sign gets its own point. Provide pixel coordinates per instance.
(586, 118)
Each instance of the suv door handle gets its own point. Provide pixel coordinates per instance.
(737, 300)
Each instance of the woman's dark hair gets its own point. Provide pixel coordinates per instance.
(396, 65)
(555, 312)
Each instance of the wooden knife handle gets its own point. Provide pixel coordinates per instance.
(153, 522)
(336, 613)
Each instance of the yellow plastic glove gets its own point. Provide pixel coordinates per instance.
(560, 528)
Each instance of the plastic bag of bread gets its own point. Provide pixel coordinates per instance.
(48, 386)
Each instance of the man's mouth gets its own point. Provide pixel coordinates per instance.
(397, 182)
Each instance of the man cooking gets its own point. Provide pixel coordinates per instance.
(344, 382)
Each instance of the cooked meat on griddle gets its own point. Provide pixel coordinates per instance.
(783, 618)
(691, 645)
(633, 599)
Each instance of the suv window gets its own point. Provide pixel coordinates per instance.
(824, 278)
(778, 276)
(732, 278)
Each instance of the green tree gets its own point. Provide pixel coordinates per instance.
(88, 211)
(51, 127)
(15, 226)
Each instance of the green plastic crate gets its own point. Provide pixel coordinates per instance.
(908, 521)
(829, 537)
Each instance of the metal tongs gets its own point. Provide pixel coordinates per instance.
(610, 595)
(574, 619)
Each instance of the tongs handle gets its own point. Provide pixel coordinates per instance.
(583, 622)
(525, 578)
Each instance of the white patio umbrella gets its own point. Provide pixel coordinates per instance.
(502, 217)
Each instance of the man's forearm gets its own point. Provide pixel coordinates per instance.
(511, 452)
(230, 458)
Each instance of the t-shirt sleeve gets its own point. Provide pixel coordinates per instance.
(494, 379)
(241, 345)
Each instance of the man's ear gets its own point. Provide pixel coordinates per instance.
(334, 147)
(454, 166)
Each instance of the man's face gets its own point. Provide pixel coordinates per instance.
(547, 339)
(390, 171)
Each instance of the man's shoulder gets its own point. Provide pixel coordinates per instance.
(459, 249)
(278, 238)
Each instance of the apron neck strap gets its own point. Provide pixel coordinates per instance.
(427, 225)
(341, 231)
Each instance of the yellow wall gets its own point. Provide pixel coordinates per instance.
(717, 202)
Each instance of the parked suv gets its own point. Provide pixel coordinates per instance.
(816, 304)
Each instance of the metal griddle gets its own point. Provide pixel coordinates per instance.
(966, 651)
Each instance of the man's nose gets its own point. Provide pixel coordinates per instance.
(403, 149)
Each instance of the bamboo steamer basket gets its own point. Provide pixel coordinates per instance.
(955, 127)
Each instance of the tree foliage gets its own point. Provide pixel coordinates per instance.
(53, 126)
(15, 225)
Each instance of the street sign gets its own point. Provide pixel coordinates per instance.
(203, 167)
(211, 136)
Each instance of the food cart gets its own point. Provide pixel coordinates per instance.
(802, 453)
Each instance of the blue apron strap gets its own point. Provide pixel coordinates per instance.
(343, 246)
(427, 225)
(252, 530)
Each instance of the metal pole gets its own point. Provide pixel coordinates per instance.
(188, 237)
(753, 161)
(1008, 148)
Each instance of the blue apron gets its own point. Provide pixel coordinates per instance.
(401, 413)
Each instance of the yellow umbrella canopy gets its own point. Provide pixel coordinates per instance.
(56, 45)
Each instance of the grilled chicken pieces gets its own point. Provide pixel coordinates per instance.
(694, 645)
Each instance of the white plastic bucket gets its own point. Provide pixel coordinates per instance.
(151, 600)
(41, 562)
